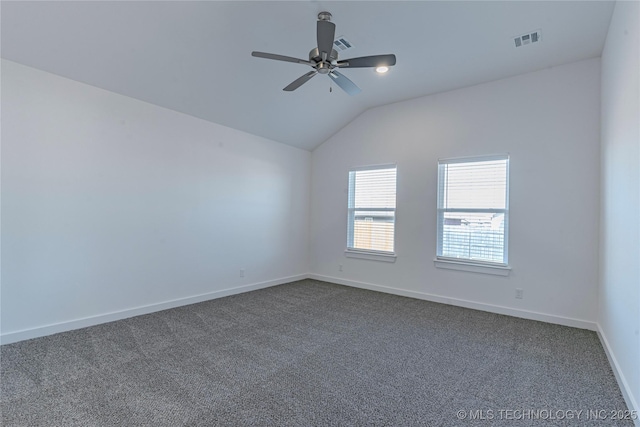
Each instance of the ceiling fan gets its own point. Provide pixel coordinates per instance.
(324, 59)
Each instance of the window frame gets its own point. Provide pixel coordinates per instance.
(370, 254)
(469, 264)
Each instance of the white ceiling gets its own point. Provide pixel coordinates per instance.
(195, 57)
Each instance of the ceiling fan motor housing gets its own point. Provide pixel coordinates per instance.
(323, 67)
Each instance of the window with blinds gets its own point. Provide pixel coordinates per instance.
(473, 209)
(372, 209)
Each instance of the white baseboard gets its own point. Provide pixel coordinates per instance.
(629, 399)
(25, 334)
(525, 314)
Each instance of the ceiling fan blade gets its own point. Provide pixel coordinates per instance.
(368, 61)
(300, 81)
(344, 83)
(281, 58)
(326, 32)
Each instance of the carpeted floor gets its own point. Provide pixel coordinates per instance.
(311, 353)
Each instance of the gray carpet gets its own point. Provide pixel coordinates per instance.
(310, 353)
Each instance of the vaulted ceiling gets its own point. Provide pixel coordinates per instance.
(195, 57)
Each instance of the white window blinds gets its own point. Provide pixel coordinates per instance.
(372, 209)
(473, 209)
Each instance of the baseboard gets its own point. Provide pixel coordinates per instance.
(25, 334)
(629, 399)
(525, 314)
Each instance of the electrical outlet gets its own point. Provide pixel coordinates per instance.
(340, 267)
(242, 272)
(519, 293)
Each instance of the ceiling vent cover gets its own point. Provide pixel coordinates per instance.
(341, 44)
(528, 38)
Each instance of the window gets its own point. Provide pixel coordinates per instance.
(372, 210)
(473, 211)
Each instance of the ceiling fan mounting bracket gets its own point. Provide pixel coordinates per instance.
(324, 16)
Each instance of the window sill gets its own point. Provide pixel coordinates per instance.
(373, 256)
(471, 267)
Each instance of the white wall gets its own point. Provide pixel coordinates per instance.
(619, 296)
(110, 204)
(549, 123)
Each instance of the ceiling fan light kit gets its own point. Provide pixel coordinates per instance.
(324, 59)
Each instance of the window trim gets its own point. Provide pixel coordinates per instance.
(373, 255)
(470, 265)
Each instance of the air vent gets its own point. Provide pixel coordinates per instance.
(528, 38)
(340, 44)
